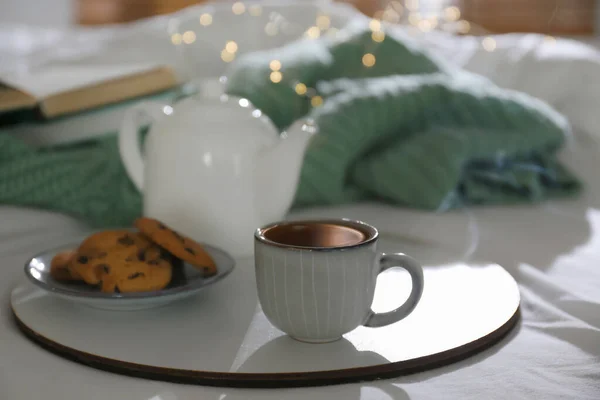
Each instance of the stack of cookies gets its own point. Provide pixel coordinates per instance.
(125, 261)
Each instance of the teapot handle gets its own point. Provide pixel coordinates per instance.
(129, 138)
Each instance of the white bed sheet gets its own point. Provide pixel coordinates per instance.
(553, 250)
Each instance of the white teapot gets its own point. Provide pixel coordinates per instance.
(213, 167)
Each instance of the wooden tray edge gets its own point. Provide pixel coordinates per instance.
(274, 380)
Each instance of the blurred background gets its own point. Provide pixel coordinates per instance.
(556, 17)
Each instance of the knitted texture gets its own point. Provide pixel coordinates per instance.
(434, 145)
(86, 181)
(409, 130)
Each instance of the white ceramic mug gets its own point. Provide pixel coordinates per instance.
(316, 279)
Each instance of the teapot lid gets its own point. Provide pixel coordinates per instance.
(213, 113)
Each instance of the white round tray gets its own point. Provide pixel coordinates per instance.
(220, 337)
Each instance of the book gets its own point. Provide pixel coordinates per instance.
(95, 12)
(56, 92)
(88, 125)
(12, 99)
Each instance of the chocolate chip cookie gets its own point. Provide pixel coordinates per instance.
(123, 276)
(112, 247)
(178, 245)
(99, 243)
(59, 268)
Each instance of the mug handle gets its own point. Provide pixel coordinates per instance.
(129, 137)
(399, 260)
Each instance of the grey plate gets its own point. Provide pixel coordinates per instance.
(186, 281)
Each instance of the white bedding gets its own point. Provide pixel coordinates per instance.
(553, 250)
(563, 72)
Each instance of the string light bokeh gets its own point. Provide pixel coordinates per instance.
(206, 19)
(418, 16)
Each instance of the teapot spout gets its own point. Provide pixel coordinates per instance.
(278, 171)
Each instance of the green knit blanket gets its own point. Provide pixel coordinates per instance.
(407, 129)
